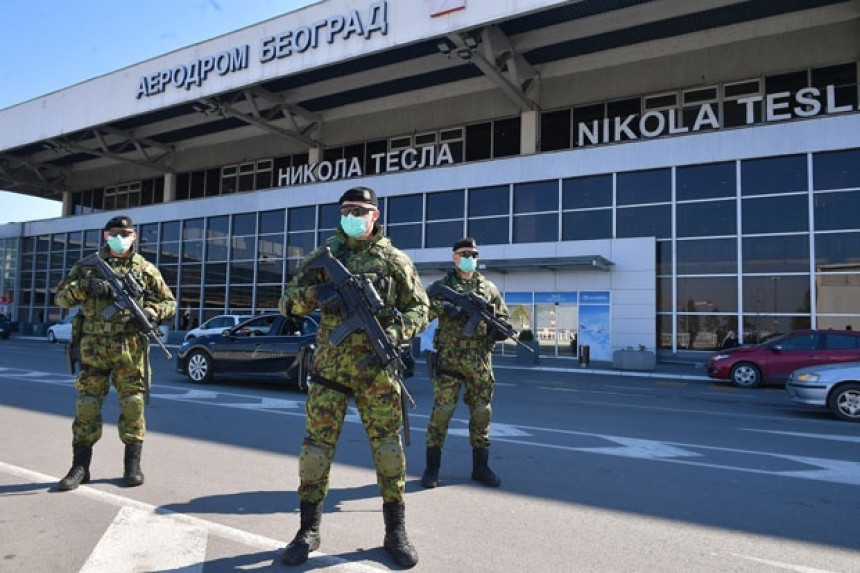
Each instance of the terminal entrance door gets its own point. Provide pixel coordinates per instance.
(556, 323)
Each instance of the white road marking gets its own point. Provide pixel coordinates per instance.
(139, 540)
(781, 565)
(261, 542)
(834, 437)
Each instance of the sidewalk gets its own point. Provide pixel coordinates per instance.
(675, 370)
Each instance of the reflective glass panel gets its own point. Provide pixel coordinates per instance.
(705, 181)
(707, 218)
(773, 175)
(776, 254)
(775, 214)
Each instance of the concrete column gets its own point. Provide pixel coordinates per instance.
(169, 187)
(529, 132)
(315, 155)
(67, 204)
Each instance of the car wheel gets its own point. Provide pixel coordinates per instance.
(745, 375)
(200, 368)
(844, 402)
(52, 338)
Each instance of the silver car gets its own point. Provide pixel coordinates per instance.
(834, 386)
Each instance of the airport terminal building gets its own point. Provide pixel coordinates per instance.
(638, 173)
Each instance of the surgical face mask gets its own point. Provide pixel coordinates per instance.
(120, 244)
(353, 226)
(468, 265)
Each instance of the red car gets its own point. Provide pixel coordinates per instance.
(776, 359)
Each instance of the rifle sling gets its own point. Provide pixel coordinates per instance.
(331, 384)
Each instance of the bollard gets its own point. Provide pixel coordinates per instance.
(584, 355)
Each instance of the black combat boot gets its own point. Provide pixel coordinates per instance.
(80, 472)
(308, 537)
(133, 476)
(431, 474)
(481, 471)
(396, 542)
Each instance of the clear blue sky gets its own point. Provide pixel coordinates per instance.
(47, 45)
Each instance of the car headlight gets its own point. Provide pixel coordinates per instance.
(807, 378)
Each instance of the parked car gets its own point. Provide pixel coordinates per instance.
(61, 331)
(266, 346)
(775, 359)
(5, 326)
(833, 386)
(216, 325)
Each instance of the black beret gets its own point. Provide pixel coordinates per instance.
(465, 242)
(120, 222)
(359, 195)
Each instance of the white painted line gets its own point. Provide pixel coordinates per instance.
(781, 565)
(139, 540)
(834, 437)
(320, 560)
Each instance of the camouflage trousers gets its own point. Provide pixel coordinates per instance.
(378, 403)
(117, 359)
(457, 367)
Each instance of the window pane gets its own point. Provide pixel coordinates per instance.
(218, 226)
(707, 218)
(710, 256)
(781, 294)
(579, 192)
(555, 130)
(535, 228)
(506, 137)
(837, 210)
(712, 294)
(492, 231)
(405, 209)
(302, 219)
(406, 236)
(776, 214)
(584, 225)
(776, 254)
(245, 224)
(705, 181)
(489, 201)
(299, 244)
(654, 186)
(193, 229)
(272, 221)
(330, 216)
(535, 197)
(836, 248)
(836, 169)
(773, 175)
(645, 222)
(478, 141)
(443, 234)
(446, 205)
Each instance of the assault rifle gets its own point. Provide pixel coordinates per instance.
(362, 303)
(478, 309)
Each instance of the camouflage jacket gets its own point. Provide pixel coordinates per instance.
(405, 306)
(449, 333)
(156, 296)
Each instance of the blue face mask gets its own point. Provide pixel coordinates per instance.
(353, 226)
(468, 265)
(119, 244)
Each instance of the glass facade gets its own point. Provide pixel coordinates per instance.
(743, 245)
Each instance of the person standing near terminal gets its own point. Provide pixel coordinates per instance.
(351, 369)
(112, 350)
(463, 360)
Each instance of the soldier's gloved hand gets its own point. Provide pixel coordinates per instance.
(328, 299)
(123, 316)
(151, 315)
(97, 288)
(497, 336)
(392, 335)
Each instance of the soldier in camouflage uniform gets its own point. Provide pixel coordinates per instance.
(351, 368)
(463, 360)
(112, 350)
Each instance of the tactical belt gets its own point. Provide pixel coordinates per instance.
(110, 328)
(331, 384)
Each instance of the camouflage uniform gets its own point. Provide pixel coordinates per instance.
(112, 350)
(463, 360)
(353, 363)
